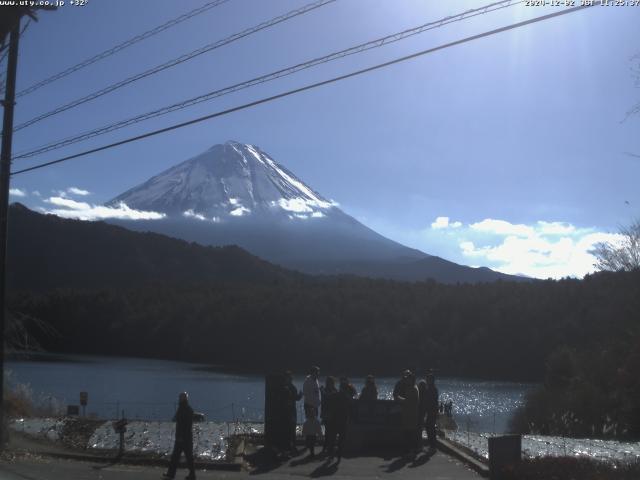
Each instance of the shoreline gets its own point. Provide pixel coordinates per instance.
(87, 358)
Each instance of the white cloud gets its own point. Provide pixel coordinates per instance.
(555, 228)
(542, 249)
(502, 227)
(67, 203)
(467, 248)
(443, 222)
(78, 191)
(36, 193)
(17, 192)
(539, 256)
(83, 211)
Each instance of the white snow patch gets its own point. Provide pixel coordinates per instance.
(301, 187)
(255, 153)
(240, 211)
(294, 205)
(209, 438)
(191, 214)
(534, 446)
(301, 205)
(47, 428)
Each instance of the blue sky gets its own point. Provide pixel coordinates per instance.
(512, 151)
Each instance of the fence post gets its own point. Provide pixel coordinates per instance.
(504, 451)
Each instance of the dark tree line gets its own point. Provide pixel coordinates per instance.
(497, 330)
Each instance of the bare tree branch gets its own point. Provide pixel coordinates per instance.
(624, 256)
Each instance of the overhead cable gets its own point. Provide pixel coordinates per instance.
(121, 46)
(176, 61)
(305, 88)
(379, 42)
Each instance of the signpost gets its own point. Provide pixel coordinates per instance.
(120, 427)
(84, 398)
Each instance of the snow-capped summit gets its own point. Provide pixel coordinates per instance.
(228, 180)
(235, 193)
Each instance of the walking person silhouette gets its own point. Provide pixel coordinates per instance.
(184, 438)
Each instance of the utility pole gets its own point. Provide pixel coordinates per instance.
(9, 24)
(5, 173)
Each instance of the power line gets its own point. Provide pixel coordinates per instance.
(121, 46)
(176, 61)
(379, 42)
(306, 87)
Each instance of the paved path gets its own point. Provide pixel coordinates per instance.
(438, 466)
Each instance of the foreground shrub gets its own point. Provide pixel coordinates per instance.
(18, 402)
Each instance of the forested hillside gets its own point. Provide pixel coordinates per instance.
(499, 330)
(47, 252)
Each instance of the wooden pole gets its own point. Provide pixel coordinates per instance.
(5, 173)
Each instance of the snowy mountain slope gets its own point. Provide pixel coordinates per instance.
(230, 180)
(235, 193)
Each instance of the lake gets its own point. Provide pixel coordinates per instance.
(148, 389)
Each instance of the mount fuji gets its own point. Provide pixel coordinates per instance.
(235, 193)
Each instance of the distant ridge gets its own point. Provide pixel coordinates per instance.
(48, 252)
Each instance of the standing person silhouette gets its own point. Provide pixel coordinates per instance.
(312, 401)
(291, 396)
(401, 385)
(431, 407)
(409, 402)
(327, 414)
(184, 438)
(343, 400)
(422, 410)
(370, 390)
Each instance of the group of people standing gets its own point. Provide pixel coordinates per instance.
(419, 408)
(329, 405)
